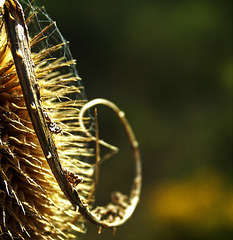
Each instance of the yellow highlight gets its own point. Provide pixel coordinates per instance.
(202, 201)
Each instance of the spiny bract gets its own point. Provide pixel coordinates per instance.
(31, 202)
(49, 143)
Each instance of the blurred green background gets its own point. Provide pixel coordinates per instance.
(168, 65)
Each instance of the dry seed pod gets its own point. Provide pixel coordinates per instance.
(47, 163)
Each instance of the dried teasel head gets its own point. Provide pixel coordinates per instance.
(49, 143)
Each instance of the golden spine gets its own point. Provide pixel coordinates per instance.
(30, 196)
(48, 167)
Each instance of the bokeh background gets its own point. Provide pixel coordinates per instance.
(168, 65)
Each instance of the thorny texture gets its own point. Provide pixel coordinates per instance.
(33, 199)
(31, 203)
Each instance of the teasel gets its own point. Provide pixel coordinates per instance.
(49, 143)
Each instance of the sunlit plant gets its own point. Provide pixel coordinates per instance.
(49, 141)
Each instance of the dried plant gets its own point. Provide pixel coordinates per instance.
(49, 143)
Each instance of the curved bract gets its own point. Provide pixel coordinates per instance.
(43, 99)
(122, 208)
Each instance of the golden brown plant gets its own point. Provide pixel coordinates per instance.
(48, 162)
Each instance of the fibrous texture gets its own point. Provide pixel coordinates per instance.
(31, 203)
(49, 143)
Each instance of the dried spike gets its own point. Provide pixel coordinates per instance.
(39, 90)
